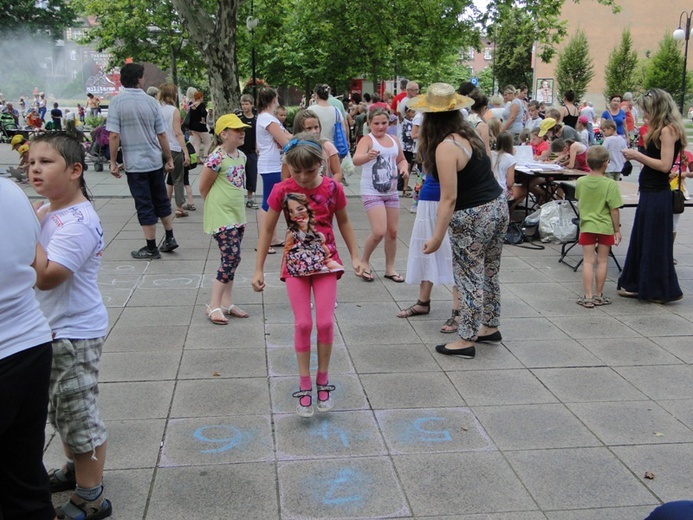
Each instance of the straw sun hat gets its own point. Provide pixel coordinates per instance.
(440, 97)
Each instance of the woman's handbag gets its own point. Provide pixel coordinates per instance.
(678, 201)
(340, 140)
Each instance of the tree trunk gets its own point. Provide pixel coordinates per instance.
(216, 38)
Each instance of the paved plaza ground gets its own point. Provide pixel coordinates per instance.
(559, 422)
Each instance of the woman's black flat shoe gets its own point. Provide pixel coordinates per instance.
(467, 353)
(490, 338)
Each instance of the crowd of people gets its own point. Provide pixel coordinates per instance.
(464, 150)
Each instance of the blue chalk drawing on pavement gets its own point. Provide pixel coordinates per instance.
(227, 437)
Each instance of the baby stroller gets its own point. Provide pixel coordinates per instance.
(7, 127)
(99, 151)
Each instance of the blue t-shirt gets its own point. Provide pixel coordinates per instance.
(619, 119)
(430, 189)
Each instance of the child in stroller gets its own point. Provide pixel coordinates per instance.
(99, 149)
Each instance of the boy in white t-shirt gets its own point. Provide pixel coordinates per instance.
(615, 144)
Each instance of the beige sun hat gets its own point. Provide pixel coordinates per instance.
(440, 97)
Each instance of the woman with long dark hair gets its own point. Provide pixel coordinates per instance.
(649, 273)
(472, 205)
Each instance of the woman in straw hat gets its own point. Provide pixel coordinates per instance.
(473, 206)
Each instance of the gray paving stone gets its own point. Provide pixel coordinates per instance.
(392, 358)
(189, 268)
(433, 430)
(593, 325)
(497, 387)
(449, 483)
(328, 435)
(282, 361)
(556, 353)
(536, 426)
(367, 321)
(515, 515)
(678, 346)
(612, 513)
(349, 394)
(215, 397)
(155, 297)
(535, 292)
(129, 443)
(587, 384)
(139, 338)
(530, 329)
(240, 333)
(117, 298)
(217, 440)
(343, 488)
(661, 382)
(221, 491)
(138, 366)
(631, 351)
(670, 463)
(161, 316)
(681, 409)
(631, 422)
(658, 325)
(130, 400)
(224, 363)
(411, 390)
(577, 478)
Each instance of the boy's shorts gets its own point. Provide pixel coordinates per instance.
(590, 239)
(73, 391)
(151, 200)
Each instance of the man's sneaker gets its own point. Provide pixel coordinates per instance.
(327, 404)
(251, 204)
(304, 411)
(169, 245)
(78, 508)
(57, 484)
(146, 254)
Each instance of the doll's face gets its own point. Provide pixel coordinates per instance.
(298, 213)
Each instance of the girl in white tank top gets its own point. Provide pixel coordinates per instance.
(379, 175)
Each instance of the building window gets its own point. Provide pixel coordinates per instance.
(73, 55)
(470, 53)
(487, 53)
(74, 74)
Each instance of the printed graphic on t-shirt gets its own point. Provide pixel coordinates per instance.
(305, 249)
(407, 141)
(383, 174)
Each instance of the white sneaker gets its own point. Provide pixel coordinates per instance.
(327, 404)
(304, 411)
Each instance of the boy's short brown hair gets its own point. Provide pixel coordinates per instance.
(596, 157)
(608, 124)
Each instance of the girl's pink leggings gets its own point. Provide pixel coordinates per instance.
(325, 293)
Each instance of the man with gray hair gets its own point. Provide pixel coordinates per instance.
(412, 91)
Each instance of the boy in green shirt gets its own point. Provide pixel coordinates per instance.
(600, 227)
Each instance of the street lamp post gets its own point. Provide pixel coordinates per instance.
(251, 23)
(684, 34)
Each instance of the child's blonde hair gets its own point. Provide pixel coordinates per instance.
(596, 157)
(303, 152)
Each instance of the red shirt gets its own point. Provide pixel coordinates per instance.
(641, 135)
(540, 148)
(324, 201)
(629, 121)
(399, 97)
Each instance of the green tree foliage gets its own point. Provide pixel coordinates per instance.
(665, 68)
(155, 34)
(30, 16)
(514, 34)
(575, 68)
(302, 42)
(621, 69)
